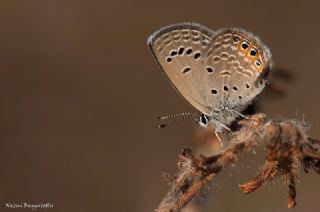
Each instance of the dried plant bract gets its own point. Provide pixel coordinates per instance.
(288, 147)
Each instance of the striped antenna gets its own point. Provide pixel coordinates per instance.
(175, 115)
(179, 118)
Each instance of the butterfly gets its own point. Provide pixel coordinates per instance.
(218, 72)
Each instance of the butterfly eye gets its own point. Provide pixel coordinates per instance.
(244, 45)
(236, 39)
(253, 52)
(203, 120)
(258, 63)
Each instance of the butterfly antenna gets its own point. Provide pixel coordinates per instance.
(174, 115)
(179, 118)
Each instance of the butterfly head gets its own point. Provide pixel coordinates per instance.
(203, 120)
(218, 119)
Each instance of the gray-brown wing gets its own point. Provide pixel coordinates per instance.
(180, 50)
(239, 60)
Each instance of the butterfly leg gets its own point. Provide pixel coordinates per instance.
(225, 127)
(217, 135)
(240, 114)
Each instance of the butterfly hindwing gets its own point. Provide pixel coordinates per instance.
(238, 59)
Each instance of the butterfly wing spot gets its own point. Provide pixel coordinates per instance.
(253, 52)
(247, 85)
(258, 63)
(197, 55)
(195, 39)
(227, 38)
(169, 59)
(167, 41)
(176, 35)
(186, 70)
(181, 50)
(240, 69)
(210, 69)
(225, 73)
(176, 38)
(186, 38)
(224, 56)
(232, 58)
(225, 88)
(235, 88)
(195, 33)
(185, 35)
(236, 64)
(236, 39)
(189, 51)
(185, 31)
(247, 73)
(244, 45)
(173, 53)
(216, 59)
(160, 48)
(240, 97)
(214, 91)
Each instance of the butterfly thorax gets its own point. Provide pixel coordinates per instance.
(221, 118)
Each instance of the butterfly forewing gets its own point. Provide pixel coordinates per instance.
(180, 49)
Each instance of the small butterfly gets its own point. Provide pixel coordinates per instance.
(217, 72)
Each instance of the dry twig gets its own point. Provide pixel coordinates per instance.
(287, 146)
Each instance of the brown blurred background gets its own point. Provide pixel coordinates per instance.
(79, 90)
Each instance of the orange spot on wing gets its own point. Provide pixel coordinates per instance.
(248, 53)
